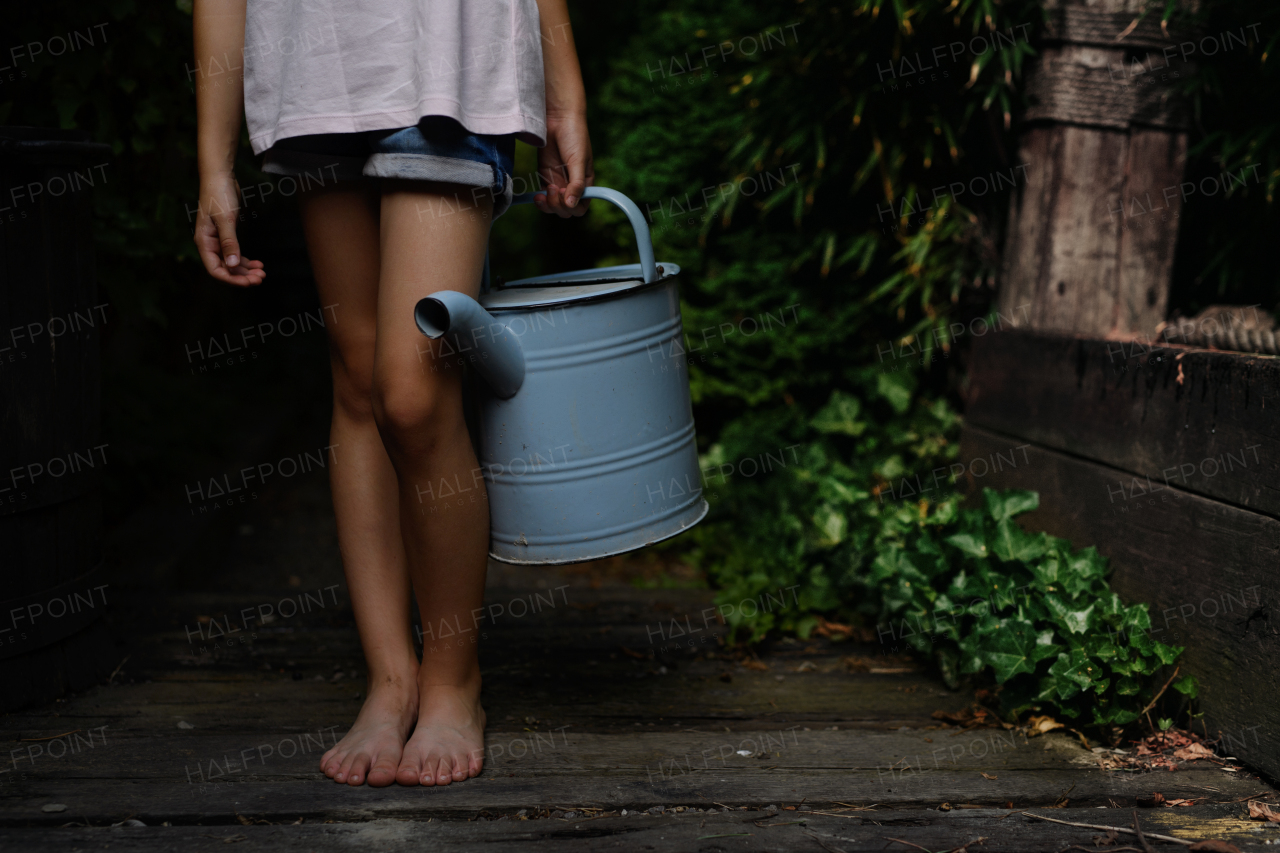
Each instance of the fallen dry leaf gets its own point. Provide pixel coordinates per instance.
(973, 717)
(990, 776)
(1156, 799)
(855, 664)
(752, 663)
(833, 630)
(1192, 752)
(1042, 725)
(1214, 845)
(1262, 811)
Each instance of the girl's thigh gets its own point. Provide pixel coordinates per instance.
(341, 227)
(433, 237)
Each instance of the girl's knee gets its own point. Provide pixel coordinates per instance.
(412, 414)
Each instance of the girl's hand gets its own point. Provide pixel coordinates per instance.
(216, 233)
(565, 164)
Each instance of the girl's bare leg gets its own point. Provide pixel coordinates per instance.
(433, 238)
(342, 236)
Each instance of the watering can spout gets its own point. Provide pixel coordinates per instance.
(476, 335)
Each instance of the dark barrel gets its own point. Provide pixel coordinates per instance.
(52, 593)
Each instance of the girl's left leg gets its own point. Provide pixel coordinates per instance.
(433, 237)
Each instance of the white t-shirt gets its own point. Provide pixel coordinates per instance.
(345, 66)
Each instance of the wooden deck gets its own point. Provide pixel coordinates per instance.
(590, 717)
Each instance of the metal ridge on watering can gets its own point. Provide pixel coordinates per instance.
(587, 440)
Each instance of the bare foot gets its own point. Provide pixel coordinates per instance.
(448, 743)
(372, 748)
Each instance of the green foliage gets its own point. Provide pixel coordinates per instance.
(857, 391)
(974, 590)
(818, 502)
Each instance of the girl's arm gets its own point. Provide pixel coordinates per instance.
(565, 163)
(219, 37)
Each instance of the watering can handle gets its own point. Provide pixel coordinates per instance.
(643, 243)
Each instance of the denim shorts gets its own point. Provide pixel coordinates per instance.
(437, 148)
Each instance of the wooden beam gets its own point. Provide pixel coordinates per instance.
(1202, 421)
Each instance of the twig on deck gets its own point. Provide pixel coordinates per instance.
(1123, 829)
(1137, 829)
(909, 844)
(117, 669)
(833, 814)
(50, 737)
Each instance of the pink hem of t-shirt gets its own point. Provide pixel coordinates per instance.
(526, 128)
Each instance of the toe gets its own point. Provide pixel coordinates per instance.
(459, 768)
(359, 769)
(444, 771)
(475, 763)
(410, 770)
(383, 772)
(344, 769)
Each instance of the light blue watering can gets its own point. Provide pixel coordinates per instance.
(586, 427)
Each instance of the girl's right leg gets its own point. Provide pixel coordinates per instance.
(342, 229)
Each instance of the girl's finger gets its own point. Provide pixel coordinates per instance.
(227, 241)
(577, 182)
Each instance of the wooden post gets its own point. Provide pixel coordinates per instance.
(1092, 231)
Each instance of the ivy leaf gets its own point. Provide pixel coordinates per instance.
(1084, 567)
(1137, 617)
(1047, 570)
(1071, 672)
(1123, 716)
(1013, 543)
(1187, 686)
(1127, 686)
(1006, 504)
(1012, 651)
(1075, 621)
(969, 544)
(1167, 654)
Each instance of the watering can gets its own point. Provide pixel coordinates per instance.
(586, 437)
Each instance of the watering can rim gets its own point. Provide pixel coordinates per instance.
(544, 291)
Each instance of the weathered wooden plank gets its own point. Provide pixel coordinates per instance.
(155, 801)
(1203, 421)
(1206, 568)
(621, 693)
(852, 832)
(282, 754)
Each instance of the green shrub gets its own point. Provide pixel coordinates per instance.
(972, 589)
